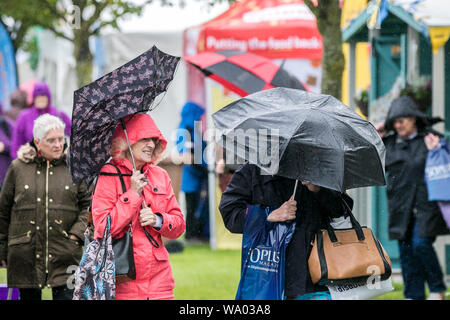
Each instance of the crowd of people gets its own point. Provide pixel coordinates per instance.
(43, 214)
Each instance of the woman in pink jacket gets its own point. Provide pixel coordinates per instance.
(161, 216)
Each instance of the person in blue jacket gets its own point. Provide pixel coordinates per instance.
(194, 178)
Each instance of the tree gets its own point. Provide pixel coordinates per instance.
(74, 20)
(328, 17)
(18, 19)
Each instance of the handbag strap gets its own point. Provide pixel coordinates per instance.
(355, 224)
(124, 189)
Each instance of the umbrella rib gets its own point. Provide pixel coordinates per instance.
(337, 143)
(288, 141)
(362, 137)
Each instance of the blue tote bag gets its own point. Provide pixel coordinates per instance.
(263, 256)
(437, 173)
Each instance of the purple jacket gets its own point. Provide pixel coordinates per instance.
(23, 131)
(6, 129)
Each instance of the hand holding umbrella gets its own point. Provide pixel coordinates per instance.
(288, 209)
(284, 213)
(147, 217)
(138, 182)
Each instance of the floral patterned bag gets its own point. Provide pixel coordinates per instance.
(95, 275)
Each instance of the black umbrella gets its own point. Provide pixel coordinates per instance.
(101, 105)
(302, 135)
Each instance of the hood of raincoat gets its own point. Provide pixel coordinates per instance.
(138, 126)
(190, 113)
(42, 89)
(405, 106)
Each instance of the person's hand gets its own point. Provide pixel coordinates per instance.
(311, 187)
(432, 141)
(138, 181)
(3, 264)
(380, 129)
(2, 146)
(147, 217)
(284, 213)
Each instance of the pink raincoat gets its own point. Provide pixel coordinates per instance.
(154, 278)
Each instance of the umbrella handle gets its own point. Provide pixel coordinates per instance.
(295, 189)
(128, 142)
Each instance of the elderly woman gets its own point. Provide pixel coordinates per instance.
(413, 220)
(149, 185)
(43, 216)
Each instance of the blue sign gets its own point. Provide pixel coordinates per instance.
(8, 75)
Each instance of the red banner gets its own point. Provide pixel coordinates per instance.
(276, 29)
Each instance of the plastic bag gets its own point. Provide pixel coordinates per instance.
(364, 291)
(263, 256)
(437, 173)
(445, 210)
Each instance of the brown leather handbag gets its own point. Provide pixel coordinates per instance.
(342, 256)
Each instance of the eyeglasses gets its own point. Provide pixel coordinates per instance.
(54, 140)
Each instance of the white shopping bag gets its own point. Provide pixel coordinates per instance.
(341, 223)
(364, 291)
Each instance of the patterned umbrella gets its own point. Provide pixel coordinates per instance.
(100, 106)
(244, 72)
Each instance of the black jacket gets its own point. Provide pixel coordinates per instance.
(406, 189)
(248, 186)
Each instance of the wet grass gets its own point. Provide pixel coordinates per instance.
(204, 274)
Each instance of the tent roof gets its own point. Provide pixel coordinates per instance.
(432, 13)
(264, 13)
(272, 28)
(418, 14)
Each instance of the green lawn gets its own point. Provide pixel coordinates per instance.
(204, 274)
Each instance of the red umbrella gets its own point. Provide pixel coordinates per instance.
(244, 72)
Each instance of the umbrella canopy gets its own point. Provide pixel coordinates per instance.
(100, 105)
(302, 135)
(243, 72)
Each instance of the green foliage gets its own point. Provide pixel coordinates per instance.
(421, 94)
(362, 101)
(31, 46)
(19, 16)
(76, 21)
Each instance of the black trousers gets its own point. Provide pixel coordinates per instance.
(193, 225)
(59, 293)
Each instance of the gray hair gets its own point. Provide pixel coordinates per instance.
(45, 123)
